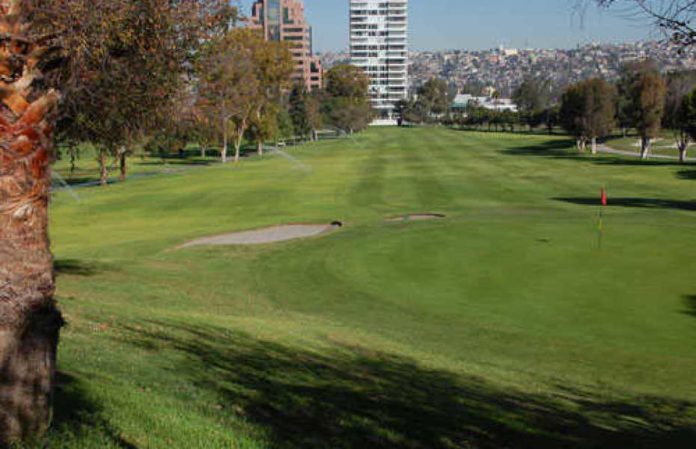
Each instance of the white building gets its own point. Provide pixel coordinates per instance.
(463, 101)
(379, 46)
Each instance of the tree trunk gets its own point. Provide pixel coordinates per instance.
(645, 147)
(224, 147)
(683, 148)
(103, 169)
(73, 159)
(237, 150)
(29, 320)
(594, 145)
(203, 151)
(123, 166)
(581, 145)
(238, 141)
(259, 148)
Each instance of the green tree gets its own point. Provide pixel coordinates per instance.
(628, 75)
(434, 98)
(274, 67)
(299, 110)
(677, 109)
(286, 128)
(571, 114)
(346, 103)
(588, 111)
(685, 124)
(532, 98)
(648, 100)
(264, 127)
(599, 110)
(241, 75)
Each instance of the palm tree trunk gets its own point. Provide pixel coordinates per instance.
(29, 319)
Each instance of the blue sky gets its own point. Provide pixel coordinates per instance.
(476, 24)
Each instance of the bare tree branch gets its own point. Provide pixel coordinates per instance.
(674, 17)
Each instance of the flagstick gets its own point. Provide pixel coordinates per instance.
(601, 227)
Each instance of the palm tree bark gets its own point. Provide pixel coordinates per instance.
(29, 319)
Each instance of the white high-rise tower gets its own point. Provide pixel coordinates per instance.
(379, 46)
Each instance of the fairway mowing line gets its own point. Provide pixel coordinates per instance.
(273, 234)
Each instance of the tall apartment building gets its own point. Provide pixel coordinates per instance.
(379, 45)
(284, 20)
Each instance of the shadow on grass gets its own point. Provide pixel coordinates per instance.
(643, 203)
(74, 267)
(687, 174)
(77, 418)
(354, 398)
(76, 180)
(690, 302)
(565, 149)
(176, 162)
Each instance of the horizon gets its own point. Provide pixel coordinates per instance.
(535, 24)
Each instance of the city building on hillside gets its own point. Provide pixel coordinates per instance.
(379, 46)
(284, 20)
(464, 101)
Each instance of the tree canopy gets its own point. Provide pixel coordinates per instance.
(347, 104)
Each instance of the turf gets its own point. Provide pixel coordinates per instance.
(506, 325)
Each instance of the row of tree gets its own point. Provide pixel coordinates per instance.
(238, 87)
(641, 99)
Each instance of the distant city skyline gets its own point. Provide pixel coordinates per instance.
(469, 24)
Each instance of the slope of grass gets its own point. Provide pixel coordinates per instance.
(506, 325)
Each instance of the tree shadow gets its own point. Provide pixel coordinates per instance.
(75, 267)
(75, 416)
(690, 302)
(565, 150)
(176, 162)
(556, 149)
(353, 398)
(687, 174)
(643, 203)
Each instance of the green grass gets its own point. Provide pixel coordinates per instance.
(502, 326)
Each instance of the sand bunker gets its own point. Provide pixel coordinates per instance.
(416, 217)
(273, 234)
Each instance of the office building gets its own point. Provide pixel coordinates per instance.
(284, 20)
(379, 46)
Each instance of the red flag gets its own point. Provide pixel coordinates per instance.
(604, 197)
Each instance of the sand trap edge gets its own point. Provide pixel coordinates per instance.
(267, 235)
